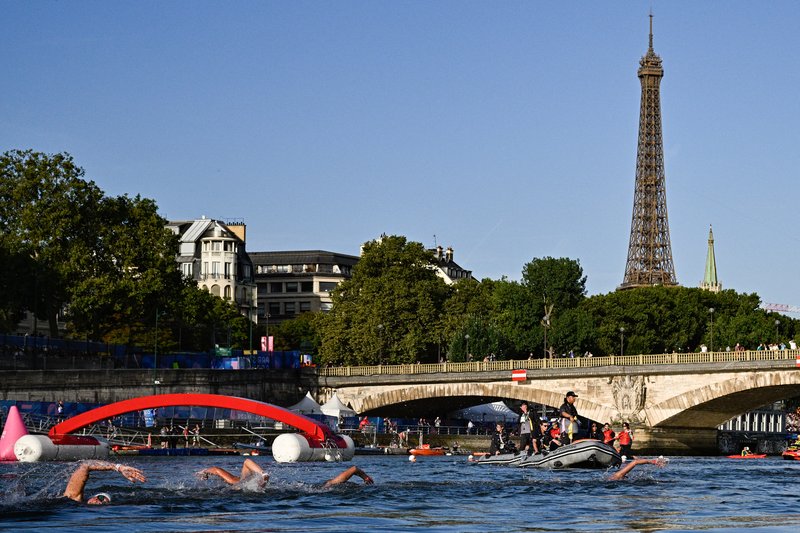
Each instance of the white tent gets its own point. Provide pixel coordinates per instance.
(335, 407)
(306, 406)
(490, 412)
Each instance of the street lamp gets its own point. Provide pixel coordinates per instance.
(777, 323)
(155, 356)
(621, 340)
(711, 310)
(466, 338)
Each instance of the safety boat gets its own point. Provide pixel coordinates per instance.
(588, 453)
(504, 459)
(425, 449)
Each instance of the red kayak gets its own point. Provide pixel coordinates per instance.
(425, 449)
(749, 456)
(792, 454)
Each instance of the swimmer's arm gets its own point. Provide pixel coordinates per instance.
(223, 474)
(633, 464)
(77, 482)
(347, 474)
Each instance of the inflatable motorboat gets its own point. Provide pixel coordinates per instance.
(587, 453)
(504, 459)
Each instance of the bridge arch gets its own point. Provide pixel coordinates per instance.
(715, 403)
(310, 427)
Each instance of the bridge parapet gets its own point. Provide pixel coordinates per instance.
(565, 363)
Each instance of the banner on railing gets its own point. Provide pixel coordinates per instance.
(519, 375)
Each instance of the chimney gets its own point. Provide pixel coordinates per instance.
(448, 255)
(438, 253)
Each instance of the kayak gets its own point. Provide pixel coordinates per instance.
(792, 454)
(587, 453)
(426, 450)
(751, 456)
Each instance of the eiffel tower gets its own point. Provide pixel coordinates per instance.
(649, 252)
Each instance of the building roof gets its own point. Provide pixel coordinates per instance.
(297, 257)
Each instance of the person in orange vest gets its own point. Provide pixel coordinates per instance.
(625, 439)
(608, 434)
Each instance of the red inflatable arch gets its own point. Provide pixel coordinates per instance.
(312, 428)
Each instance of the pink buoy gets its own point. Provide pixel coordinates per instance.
(13, 430)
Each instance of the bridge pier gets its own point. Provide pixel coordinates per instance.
(674, 441)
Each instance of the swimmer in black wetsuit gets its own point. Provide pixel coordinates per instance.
(251, 469)
(77, 482)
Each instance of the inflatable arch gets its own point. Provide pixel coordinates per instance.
(316, 442)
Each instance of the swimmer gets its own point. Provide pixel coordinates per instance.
(660, 462)
(250, 469)
(77, 482)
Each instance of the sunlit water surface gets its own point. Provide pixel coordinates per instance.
(433, 494)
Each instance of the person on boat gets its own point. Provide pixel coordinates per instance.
(500, 441)
(624, 471)
(608, 434)
(595, 433)
(625, 439)
(569, 418)
(746, 451)
(251, 469)
(77, 482)
(551, 436)
(528, 431)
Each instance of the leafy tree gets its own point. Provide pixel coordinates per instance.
(15, 286)
(389, 310)
(49, 213)
(300, 333)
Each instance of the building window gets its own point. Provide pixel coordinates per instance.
(284, 268)
(291, 286)
(307, 286)
(186, 269)
(289, 307)
(205, 246)
(216, 246)
(260, 311)
(205, 268)
(275, 287)
(325, 306)
(305, 307)
(215, 269)
(274, 309)
(228, 246)
(262, 290)
(228, 271)
(327, 286)
(227, 292)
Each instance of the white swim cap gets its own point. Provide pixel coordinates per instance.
(412, 458)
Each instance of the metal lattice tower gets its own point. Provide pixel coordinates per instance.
(650, 252)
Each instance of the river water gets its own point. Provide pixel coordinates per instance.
(433, 494)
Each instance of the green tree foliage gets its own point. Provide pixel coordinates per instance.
(389, 310)
(15, 290)
(49, 213)
(300, 333)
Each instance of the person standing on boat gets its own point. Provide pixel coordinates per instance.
(608, 434)
(528, 431)
(595, 432)
(569, 418)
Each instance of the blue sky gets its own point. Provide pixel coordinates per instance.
(507, 130)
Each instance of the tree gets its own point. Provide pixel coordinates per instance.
(48, 213)
(300, 333)
(389, 310)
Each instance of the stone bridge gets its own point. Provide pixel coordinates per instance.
(673, 401)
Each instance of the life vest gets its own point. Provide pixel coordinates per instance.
(625, 438)
(608, 436)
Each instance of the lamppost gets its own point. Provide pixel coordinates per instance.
(380, 341)
(155, 356)
(250, 320)
(777, 323)
(711, 311)
(622, 340)
(466, 338)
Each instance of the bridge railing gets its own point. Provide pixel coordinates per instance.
(564, 363)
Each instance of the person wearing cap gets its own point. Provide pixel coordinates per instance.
(569, 418)
(77, 482)
(550, 436)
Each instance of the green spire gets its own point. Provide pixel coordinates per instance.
(710, 282)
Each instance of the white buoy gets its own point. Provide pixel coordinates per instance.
(32, 448)
(295, 448)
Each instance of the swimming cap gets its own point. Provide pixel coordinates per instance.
(103, 497)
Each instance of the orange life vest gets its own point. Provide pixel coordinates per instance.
(625, 438)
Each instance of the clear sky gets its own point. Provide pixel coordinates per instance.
(506, 129)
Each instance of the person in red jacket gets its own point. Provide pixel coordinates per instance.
(625, 439)
(608, 435)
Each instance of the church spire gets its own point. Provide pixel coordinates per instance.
(710, 282)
